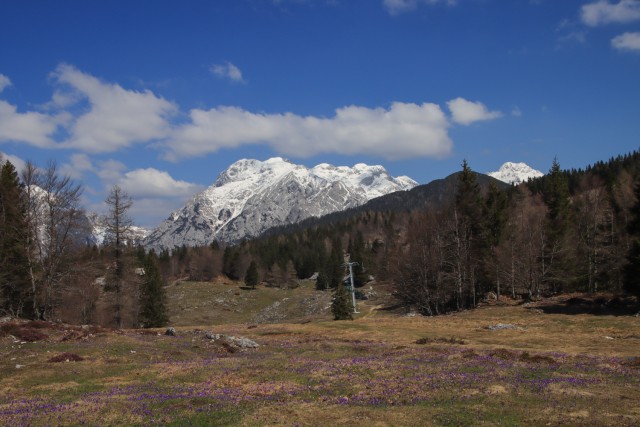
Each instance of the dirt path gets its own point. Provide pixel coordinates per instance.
(372, 311)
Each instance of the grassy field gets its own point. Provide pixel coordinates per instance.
(497, 365)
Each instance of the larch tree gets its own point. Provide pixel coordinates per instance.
(118, 225)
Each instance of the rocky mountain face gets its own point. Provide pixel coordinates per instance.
(515, 173)
(252, 196)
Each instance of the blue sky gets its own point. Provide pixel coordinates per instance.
(160, 96)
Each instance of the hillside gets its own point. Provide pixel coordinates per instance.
(222, 301)
(435, 195)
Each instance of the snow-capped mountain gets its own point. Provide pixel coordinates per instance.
(252, 196)
(98, 232)
(515, 173)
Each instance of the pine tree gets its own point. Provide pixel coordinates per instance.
(631, 272)
(153, 312)
(341, 307)
(251, 277)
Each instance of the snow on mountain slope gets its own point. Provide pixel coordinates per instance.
(252, 196)
(515, 173)
(98, 232)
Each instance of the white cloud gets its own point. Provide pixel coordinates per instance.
(117, 118)
(4, 82)
(31, 127)
(467, 112)
(402, 131)
(110, 171)
(228, 71)
(154, 193)
(602, 12)
(77, 166)
(396, 7)
(627, 41)
(150, 182)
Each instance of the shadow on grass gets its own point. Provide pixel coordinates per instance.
(595, 305)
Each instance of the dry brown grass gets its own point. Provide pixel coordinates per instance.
(381, 369)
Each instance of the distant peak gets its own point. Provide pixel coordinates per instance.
(515, 173)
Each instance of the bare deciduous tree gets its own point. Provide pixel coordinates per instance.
(57, 223)
(117, 234)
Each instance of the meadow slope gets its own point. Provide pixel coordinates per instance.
(504, 364)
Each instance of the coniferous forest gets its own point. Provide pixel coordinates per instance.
(568, 231)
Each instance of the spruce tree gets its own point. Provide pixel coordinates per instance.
(467, 237)
(251, 276)
(357, 254)
(560, 263)
(321, 282)
(14, 264)
(153, 312)
(556, 196)
(335, 266)
(341, 307)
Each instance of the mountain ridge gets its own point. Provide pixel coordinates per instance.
(251, 196)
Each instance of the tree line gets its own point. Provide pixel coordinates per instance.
(47, 270)
(566, 231)
(576, 230)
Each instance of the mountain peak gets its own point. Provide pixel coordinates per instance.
(251, 196)
(515, 173)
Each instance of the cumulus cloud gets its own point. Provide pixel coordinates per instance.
(154, 192)
(228, 71)
(402, 131)
(116, 119)
(627, 41)
(78, 165)
(602, 12)
(467, 112)
(30, 127)
(4, 82)
(110, 171)
(150, 182)
(395, 7)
